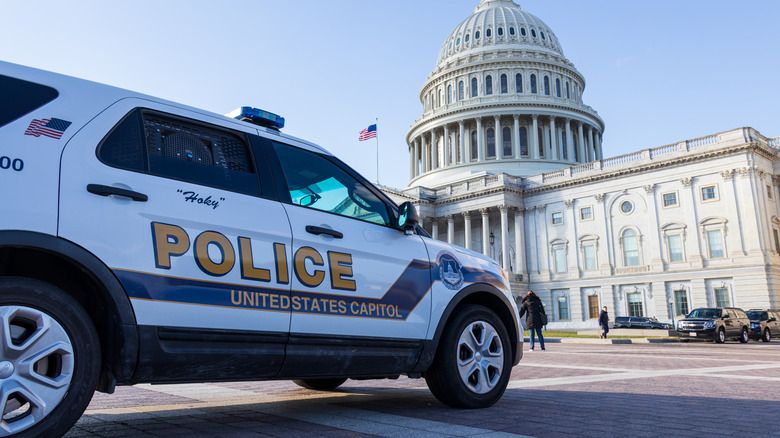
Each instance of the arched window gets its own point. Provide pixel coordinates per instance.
(565, 149)
(476, 35)
(504, 85)
(518, 83)
(474, 145)
(500, 31)
(533, 84)
(542, 35)
(541, 142)
(449, 93)
(630, 248)
(473, 87)
(506, 140)
(491, 143)
(574, 146)
(467, 37)
(460, 90)
(546, 86)
(488, 32)
(567, 90)
(512, 31)
(522, 31)
(533, 33)
(488, 85)
(523, 140)
(557, 87)
(457, 41)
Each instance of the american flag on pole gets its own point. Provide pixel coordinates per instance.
(47, 127)
(368, 133)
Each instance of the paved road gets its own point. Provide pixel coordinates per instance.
(589, 390)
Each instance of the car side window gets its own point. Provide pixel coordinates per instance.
(182, 149)
(317, 182)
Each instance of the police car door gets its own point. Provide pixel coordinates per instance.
(172, 202)
(360, 300)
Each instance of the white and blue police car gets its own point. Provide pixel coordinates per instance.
(143, 241)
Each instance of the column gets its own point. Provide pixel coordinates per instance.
(599, 152)
(424, 152)
(581, 144)
(504, 237)
(434, 151)
(499, 145)
(519, 240)
(516, 137)
(461, 143)
(435, 229)
(447, 159)
(553, 139)
(485, 231)
(569, 141)
(546, 141)
(591, 149)
(467, 229)
(450, 229)
(535, 137)
(654, 235)
(416, 156)
(687, 202)
(480, 141)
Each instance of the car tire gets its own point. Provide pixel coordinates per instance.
(767, 336)
(721, 338)
(320, 384)
(744, 337)
(51, 359)
(473, 360)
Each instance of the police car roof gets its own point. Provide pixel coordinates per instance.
(98, 96)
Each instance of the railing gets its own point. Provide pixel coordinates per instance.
(774, 143)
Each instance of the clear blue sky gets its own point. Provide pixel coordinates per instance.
(657, 72)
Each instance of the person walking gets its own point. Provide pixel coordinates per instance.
(604, 323)
(536, 319)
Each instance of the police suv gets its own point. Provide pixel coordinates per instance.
(146, 241)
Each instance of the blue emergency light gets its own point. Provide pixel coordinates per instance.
(258, 117)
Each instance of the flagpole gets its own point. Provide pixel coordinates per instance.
(377, 150)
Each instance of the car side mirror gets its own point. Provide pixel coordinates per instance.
(726, 316)
(407, 217)
(771, 320)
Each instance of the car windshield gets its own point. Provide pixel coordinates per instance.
(705, 313)
(756, 314)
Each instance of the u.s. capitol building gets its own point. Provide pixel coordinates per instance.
(507, 160)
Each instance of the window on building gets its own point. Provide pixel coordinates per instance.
(500, 31)
(586, 213)
(558, 87)
(593, 306)
(476, 35)
(635, 304)
(457, 42)
(567, 90)
(523, 141)
(559, 253)
(708, 193)
(627, 207)
(675, 248)
(511, 31)
(522, 31)
(589, 255)
(681, 302)
(506, 140)
(474, 145)
(630, 248)
(489, 85)
(533, 33)
(491, 142)
(473, 87)
(467, 37)
(518, 83)
(769, 192)
(461, 87)
(546, 86)
(777, 240)
(565, 149)
(557, 218)
(504, 85)
(542, 33)
(449, 93)
(722, 297)
(715, 243)
(563, 308)
(670, 199)
(488, 32)
(533, 84)
(541, 143)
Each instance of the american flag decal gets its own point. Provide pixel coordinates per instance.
(47, 127)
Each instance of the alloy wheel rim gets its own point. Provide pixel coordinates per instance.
(480, 356)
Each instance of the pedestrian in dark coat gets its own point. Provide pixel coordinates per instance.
(604, 322)
(532, 305)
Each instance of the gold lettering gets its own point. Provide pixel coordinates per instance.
(203, 259)
(169, 240)
(340, 267)
(317, 276)
(248, 270)
(233, 297)
(282, 270)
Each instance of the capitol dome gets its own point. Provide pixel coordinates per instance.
(502, 98)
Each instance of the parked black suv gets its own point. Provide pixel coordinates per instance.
(763, 323)
(715, 324)
(640, 322)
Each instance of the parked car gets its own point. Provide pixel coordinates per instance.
(640, 322)
(714, 324)
(763, 323)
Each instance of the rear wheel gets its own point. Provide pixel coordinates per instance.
(721, 336)
(50, 359)
(320, 384)
(473, 361)
(767, 336)
(744, 337)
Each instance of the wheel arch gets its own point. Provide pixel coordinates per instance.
(484, 295)
(90, 282)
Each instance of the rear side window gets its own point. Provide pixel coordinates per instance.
(18, 97)
(181, 149)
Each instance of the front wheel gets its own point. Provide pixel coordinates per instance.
(767, 336)
(320, 384)
(50, 359)
(744, 337)
(473, 361)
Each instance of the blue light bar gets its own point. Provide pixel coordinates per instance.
(258, 117)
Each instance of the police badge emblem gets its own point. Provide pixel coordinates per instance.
(450, 271)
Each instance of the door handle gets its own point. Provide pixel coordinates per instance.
(322, 230)
(100, 189)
